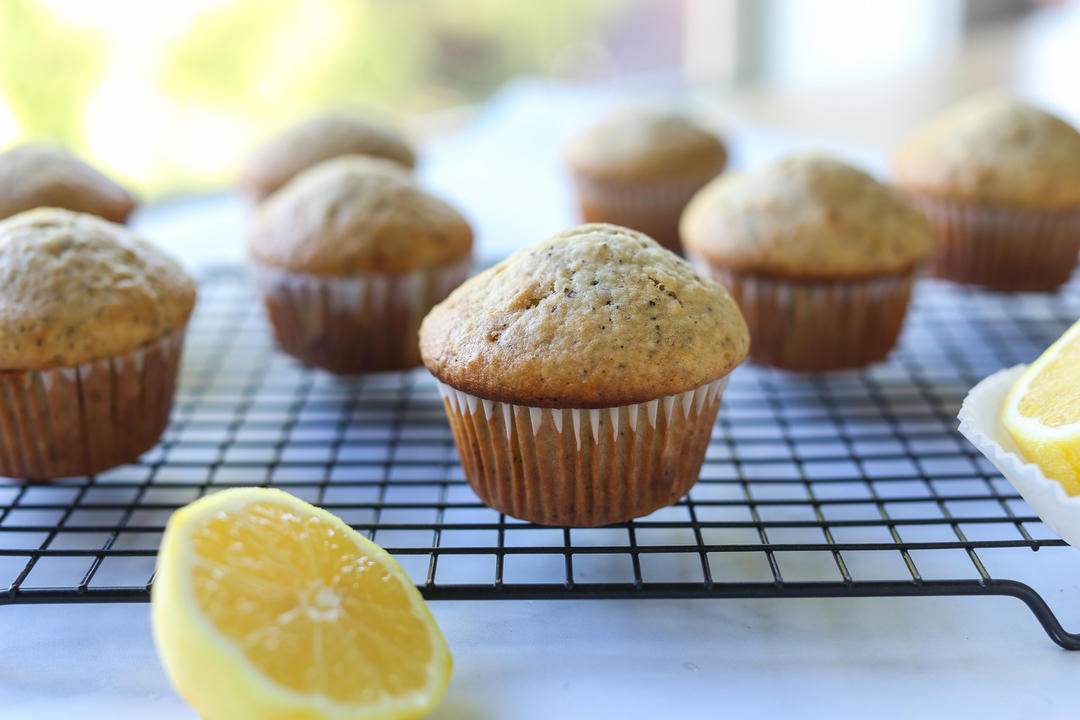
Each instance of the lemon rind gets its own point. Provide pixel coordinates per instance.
(225, 673)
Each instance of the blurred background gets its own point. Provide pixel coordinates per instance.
(168, 96)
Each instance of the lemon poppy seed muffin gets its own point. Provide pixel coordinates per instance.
(582, 376)
(1000, 180)
(350, 255)
(91, 327)
(639, 168)
(314, 141)
(820, 256)
(33, 176)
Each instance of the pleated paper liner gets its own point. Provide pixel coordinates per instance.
(812, 325)
(653, 208)
(355, 324)
(1002, 248)
(980, 423)
(83, 419)
(583, 467)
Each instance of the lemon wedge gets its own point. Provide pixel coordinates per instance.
(267, 607)
(1042, 411)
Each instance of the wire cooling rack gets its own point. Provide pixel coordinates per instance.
(844, 485)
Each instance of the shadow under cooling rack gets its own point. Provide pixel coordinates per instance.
(841, 485)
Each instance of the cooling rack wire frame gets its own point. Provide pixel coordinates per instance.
(850, 484)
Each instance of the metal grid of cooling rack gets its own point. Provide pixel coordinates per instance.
(841, 485)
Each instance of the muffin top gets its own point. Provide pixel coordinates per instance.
(635, 146)
(75, 288)
(597, 316)
(45, 176)
(315, 140)
(356, 215)
(805, 216)
(994, 149)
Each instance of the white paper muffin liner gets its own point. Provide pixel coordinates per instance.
(583, 467)
(86, 418)
(358, 323)
(816, 325)
(1002, 248)
(653, 208)
(980, 423)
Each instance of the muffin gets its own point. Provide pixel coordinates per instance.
(1000, 181)
(92, 322)
(820, 257)
(582, 376)
(33, 176)
(316, 140)
(350, 255)
(639, 169)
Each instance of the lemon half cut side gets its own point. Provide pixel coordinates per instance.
(267, 607)
(1042, 411)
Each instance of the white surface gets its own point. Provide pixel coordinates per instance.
(883, 658)
(632, 659)
(980, 422)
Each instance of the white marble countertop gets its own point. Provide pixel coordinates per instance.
(886, 658)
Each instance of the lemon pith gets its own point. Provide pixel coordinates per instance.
(1042, 411)
(264, 606)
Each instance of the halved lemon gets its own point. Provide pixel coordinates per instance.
(1042, 411)
(267, 607)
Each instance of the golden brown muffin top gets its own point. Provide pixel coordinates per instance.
(355, 215)
(76, 288)
(34, 176)
(316, 140)
(805, 216)
(995, 149)
(597, 316)
(640, 146)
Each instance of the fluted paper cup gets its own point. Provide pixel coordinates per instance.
(1002, 248)
(83, 419)
(980, 423)
(817, 325)
(583, 467)
(653, 208)
(354, 324)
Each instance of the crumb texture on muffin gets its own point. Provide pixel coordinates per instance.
(597, 316)
(33, 176)
(993, 148)
(806, 216)
(356, 215)
(316, 140)
(639, 146)
(75, 288)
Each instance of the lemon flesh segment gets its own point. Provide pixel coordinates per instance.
(1053, 394)
(1042, 411)
(298, 607)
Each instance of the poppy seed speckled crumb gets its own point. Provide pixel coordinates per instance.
(75, 288)
(544, 300)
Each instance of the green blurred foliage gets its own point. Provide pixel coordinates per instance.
(47, 71)
(263, 64)
(374, 53)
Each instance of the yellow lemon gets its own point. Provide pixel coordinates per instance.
(1042, 411)
(267, 607)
